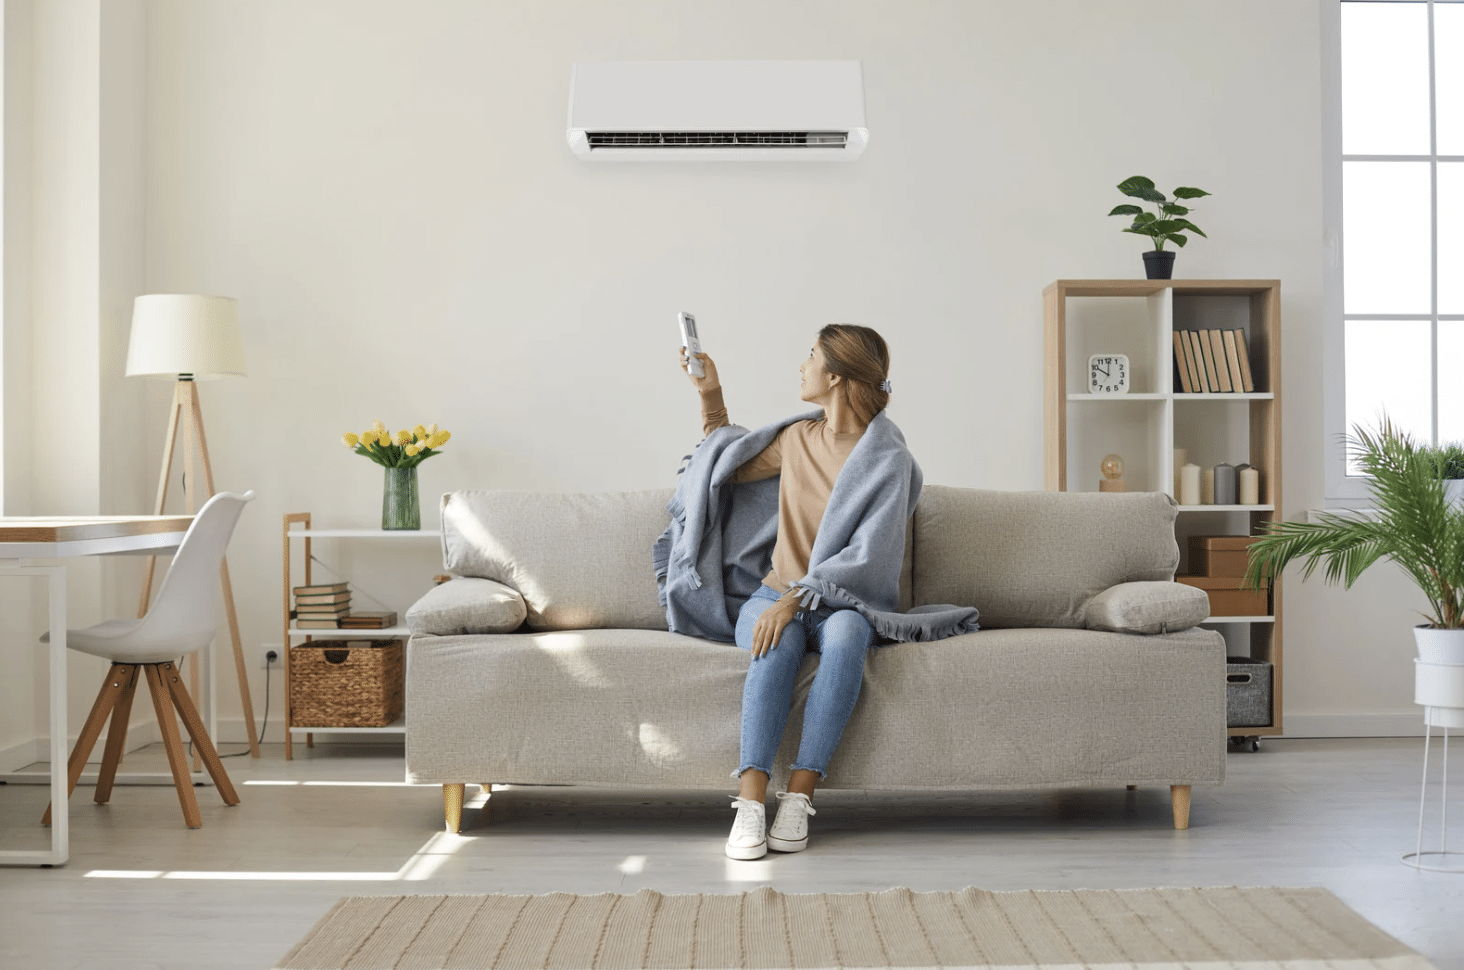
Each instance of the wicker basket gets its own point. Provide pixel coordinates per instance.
(346, 683)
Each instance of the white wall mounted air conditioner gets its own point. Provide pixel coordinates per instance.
(717, 110)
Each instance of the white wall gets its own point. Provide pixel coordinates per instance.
(386, 187)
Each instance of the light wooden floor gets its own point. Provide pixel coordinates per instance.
(141, 891)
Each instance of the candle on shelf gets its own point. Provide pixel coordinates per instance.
(1224, 484)
(1189, 484)
(1181, 457)
(1249, 486)
(1207, 486)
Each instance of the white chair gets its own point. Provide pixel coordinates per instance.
(183, 618)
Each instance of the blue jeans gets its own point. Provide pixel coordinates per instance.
(841, 638)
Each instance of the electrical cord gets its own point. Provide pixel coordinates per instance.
(269, 665)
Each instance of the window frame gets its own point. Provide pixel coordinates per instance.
(1344, 490)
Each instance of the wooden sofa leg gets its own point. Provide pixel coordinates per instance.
(1179, 797)
(452, 806)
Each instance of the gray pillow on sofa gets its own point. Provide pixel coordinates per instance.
(466, 606)
(1146, 607)
(581, 561)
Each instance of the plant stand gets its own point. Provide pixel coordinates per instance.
(1437, 685)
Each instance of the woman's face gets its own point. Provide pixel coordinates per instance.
(818, 383)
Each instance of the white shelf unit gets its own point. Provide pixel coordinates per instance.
(294, 636)
(1144, 426)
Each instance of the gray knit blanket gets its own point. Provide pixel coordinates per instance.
(719, 545)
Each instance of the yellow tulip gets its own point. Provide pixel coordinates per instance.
(438, 440)
(419, 432)
(378, 427)
(350, 439)
(432, 431)
(368, 438)
(412, 450)
(404, 437)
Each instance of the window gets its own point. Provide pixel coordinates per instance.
(1400, 72)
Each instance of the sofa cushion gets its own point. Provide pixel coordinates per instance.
(580, 561)
(1158, 607)
(1035, 559)
(467, 605)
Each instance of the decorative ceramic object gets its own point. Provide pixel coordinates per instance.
(1112, 468)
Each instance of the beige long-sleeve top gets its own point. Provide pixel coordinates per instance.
(809, 456)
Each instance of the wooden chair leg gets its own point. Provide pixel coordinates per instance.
(452, 806)
(199, 734)
(1179, 798)
(116, 736)
(173, 745)
(90, 731)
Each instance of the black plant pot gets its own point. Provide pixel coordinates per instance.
(1158, 265)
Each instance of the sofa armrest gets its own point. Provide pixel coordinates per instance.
(466, 605)
(1146, 607)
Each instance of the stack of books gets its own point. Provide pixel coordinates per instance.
(321, 607)
(1212, 362)
(369, 620)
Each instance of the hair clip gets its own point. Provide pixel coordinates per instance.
(887, 387)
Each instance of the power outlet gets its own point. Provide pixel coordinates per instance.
(270, 656)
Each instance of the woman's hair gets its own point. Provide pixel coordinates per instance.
(860, 356)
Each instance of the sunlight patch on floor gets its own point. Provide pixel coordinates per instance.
(422, 865)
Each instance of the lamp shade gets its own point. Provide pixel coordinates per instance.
(174, 333)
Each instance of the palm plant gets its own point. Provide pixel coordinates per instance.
(1413, 525)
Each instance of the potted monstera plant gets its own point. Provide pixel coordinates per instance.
(1414, 524)
(1167, 224)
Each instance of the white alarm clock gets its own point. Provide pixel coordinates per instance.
(1108, 374)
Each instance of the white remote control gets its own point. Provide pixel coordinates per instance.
(692, 343)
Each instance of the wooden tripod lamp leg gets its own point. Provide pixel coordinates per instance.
(240, 669)
(186, 408)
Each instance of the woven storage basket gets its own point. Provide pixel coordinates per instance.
(346, 683)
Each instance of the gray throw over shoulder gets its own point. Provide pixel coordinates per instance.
(718, 547)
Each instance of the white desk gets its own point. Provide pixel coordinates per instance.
(25, 545)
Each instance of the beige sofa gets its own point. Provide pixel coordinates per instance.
(546, 660)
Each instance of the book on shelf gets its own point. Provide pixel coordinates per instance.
(1202, 384)
(1179, 364)
(1222, 368)
(1232, 359)
(1189, 362)
(319, 611)
(326, 599)
(1212, 382)
(369, 620)
(321, 588)
(1242, 353)
(317, 623)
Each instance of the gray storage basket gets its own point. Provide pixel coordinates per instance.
(1247, 692)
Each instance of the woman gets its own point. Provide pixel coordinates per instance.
(831, 597)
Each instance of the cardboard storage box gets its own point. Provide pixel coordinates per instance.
(1227, 598)
(1247, 692)
(1219, 555)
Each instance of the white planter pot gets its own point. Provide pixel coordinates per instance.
(1439, 676)
(1437, 646)
(1454, 493)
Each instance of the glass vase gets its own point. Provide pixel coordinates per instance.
(399, 506)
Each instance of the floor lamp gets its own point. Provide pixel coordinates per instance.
(184, 337)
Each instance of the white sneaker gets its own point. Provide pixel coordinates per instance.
(790, 828)
(749, 830)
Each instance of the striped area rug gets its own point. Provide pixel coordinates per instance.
(1148, 929)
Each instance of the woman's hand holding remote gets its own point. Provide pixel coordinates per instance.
(709, 381)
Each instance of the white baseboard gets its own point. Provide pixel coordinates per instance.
(23, 753)
(1403, 725)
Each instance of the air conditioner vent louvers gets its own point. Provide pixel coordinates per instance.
(716, 139)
